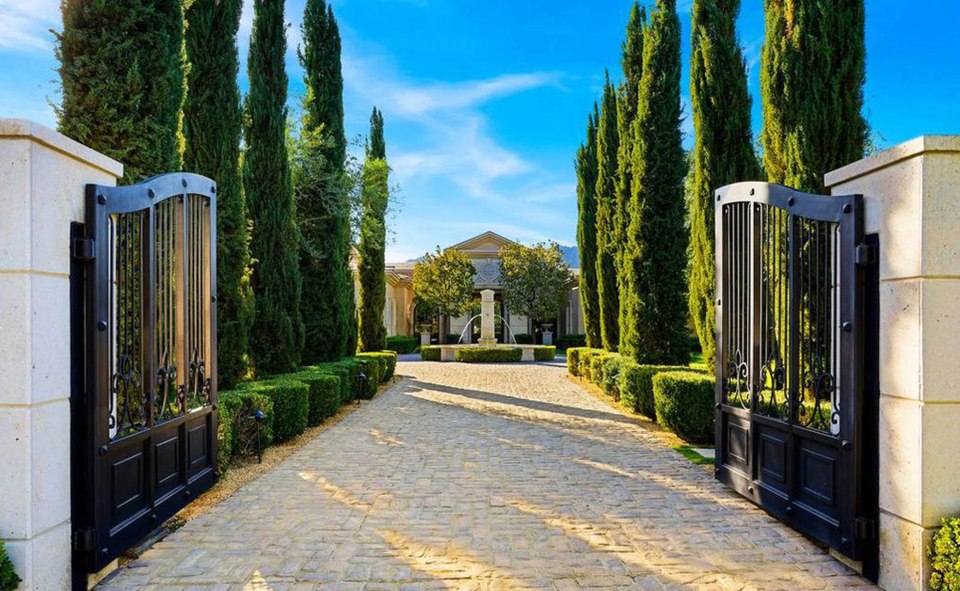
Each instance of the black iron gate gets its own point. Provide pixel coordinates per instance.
(145, 392)
(790, 385)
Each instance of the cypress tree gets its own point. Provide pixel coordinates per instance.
(212, 127)
(373, 236)
(608, 147)
(121, 74)
(812, 76)
(278, 328)
(653, 327)
(723, 149)
(587, 230)
(628, 96)
(323, 205)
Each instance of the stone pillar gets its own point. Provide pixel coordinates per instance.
(42, 179)
(488, 335)
(912, 200)
(425, 338)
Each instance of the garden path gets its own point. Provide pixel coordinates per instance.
(483, 477)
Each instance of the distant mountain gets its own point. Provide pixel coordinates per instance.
(571, 254)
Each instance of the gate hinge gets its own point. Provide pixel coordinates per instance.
(83, 249)
(866, 254)
(84, 539)
(864, 529)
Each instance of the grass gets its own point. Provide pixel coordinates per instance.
(697, 361)
(687, 452)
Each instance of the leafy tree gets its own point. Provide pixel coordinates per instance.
(608, 147)
(323, 206)
(535, 279)
(371, 265)
(812, 75)
(212, 128)
(443, 283)
(653, 326)
(587, 230)
(122, 77)
(9, 580)
(723, 148)
(278, 327)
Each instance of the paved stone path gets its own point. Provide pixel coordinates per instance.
(484, 478)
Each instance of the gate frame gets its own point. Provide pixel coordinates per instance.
(90, 292)
(855, 533)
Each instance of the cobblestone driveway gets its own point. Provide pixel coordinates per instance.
(484, 477)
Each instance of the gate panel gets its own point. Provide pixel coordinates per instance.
(147, 413)
(789, 375)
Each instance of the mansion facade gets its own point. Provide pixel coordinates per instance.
(399, 314)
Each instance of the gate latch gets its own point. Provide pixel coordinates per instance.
(83, 249)
(864, 529)
(84, 539)
(866, 255)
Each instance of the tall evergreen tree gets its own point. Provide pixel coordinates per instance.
(653, 327)
(121, 73)
(212, 128)
(812, 75)
(373, 238)
(608, 147)
(278, 327)
(587, 230)
(628, 96)
(323, 205)
(723, 148)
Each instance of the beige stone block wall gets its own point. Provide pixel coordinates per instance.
(912, 200)
(42, 180)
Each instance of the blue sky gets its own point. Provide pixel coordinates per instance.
(485, 102)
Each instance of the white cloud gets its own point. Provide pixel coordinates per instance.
(25, 24)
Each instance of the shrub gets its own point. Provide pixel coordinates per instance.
(8, 577)
(370, 366)
(523, 339)
(235, 408)
(569, 341)
(452, 339)
(598, 363)
(430, 353)
(573, 360)
(610, 382)
(545, 354)
(346, 372)
(401, 344)
(584, 367)
(683, 402)
(291, 404)
(387, 360)
(945, 556)
(225, 434)
(490, 355)
(324, 394)
(636, 386)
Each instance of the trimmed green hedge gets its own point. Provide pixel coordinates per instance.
(371, 367)
(430, 353)
(636, 385)
(584, 366)
(683, 401)
(489, 355)
(387, 360)
(545, 354)
(9, 580)
(598, 363)
(945, 556)
(523, 339)
(573, 360)
(237, 432)
(291, 404)
(610, 380)
(324, 394)
(346, 372)
(401, 344)
(569, 341)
